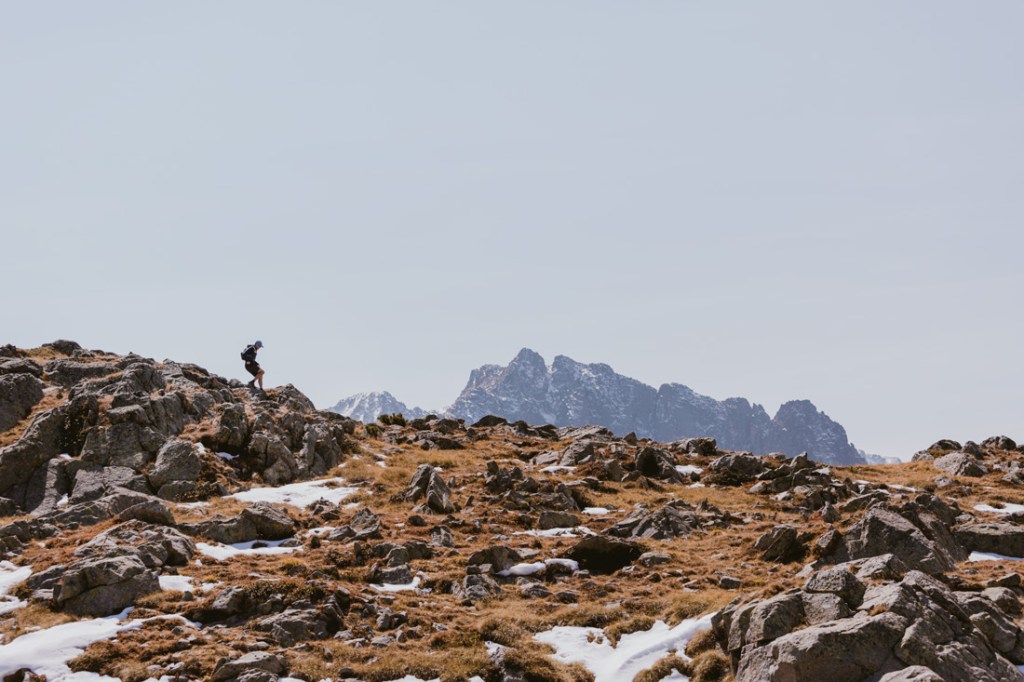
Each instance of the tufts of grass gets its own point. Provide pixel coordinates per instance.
(663, 669)
(624, 627)
(701, 642)
(711, 666)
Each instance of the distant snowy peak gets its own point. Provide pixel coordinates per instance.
(366, 407)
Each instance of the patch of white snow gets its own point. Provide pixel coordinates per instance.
(299, 494)
(176, 583)
(1005, 508)
(635, 652)
(990, 556)
(219, 551)
(397, 588)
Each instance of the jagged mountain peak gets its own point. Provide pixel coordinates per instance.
(571, 393)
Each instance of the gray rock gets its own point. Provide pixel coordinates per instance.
(998, 538)
(944, 445)
(599, 554)
(670, 521)
(156, 546)
(734, 469)
(499, 557)
(20, 366)
(104, 586)
(19, 393)
(960, 464)
(882, 531)
(148, 511)
(839, 581)
(706, 447)
(93, 482)
(781, 544)
(657, 463)
(177, 460)
(227, 670)
(556, 519)
(914, 673)
(261, 521)
(849, 649)
(67, 373)
(41, 442)
(300, 625)
(427, 484)
(476, 587)
(999, 443)
(651, 559)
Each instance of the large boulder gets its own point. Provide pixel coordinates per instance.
(925, 545)
(734, 469)
(917, 626)
(960, 464)
(177, 462)
(104, 585)
(427, 484)
(253, 662)
(19, 393)
(670, 521)
(156, 546)
(601, 554)
(782, 544)
(998, 538)
(261, 521)
(657, 463)
(67, 373)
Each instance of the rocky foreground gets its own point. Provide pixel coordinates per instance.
(162, 523)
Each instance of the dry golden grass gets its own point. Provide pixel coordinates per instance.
(662, 669)
(30, 618)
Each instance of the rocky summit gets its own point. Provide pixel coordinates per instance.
(161, 523)
(569, 393)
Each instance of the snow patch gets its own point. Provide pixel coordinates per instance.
(686, 469)
(226, 455)
(596, 511)
(555, 468)
(11, 576)
(557, 532)
(539, 567)
(176, 583)
(397, 588)
(299, 494)
(221, 552)
(1006, 508)
(47, 652)
(990, 556)
(635, 652)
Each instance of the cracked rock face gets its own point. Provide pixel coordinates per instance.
(859, 633)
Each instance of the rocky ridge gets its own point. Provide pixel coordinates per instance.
(259, 539)
(569, 393)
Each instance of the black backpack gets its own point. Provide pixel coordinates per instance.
(249, 354)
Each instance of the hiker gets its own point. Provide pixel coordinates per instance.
(251, 366)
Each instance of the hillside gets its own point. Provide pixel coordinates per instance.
(569, 393)
(254, 538)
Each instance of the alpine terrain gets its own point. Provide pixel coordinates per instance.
(569, 393)
(161, 523)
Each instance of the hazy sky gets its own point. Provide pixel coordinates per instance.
(774, 200)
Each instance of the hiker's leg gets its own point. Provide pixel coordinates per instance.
(259, 377)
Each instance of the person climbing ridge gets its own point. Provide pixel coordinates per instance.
(251, 366)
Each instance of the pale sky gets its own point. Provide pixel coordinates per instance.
(772, 200)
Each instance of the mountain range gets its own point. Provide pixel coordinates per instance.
(570, 393)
